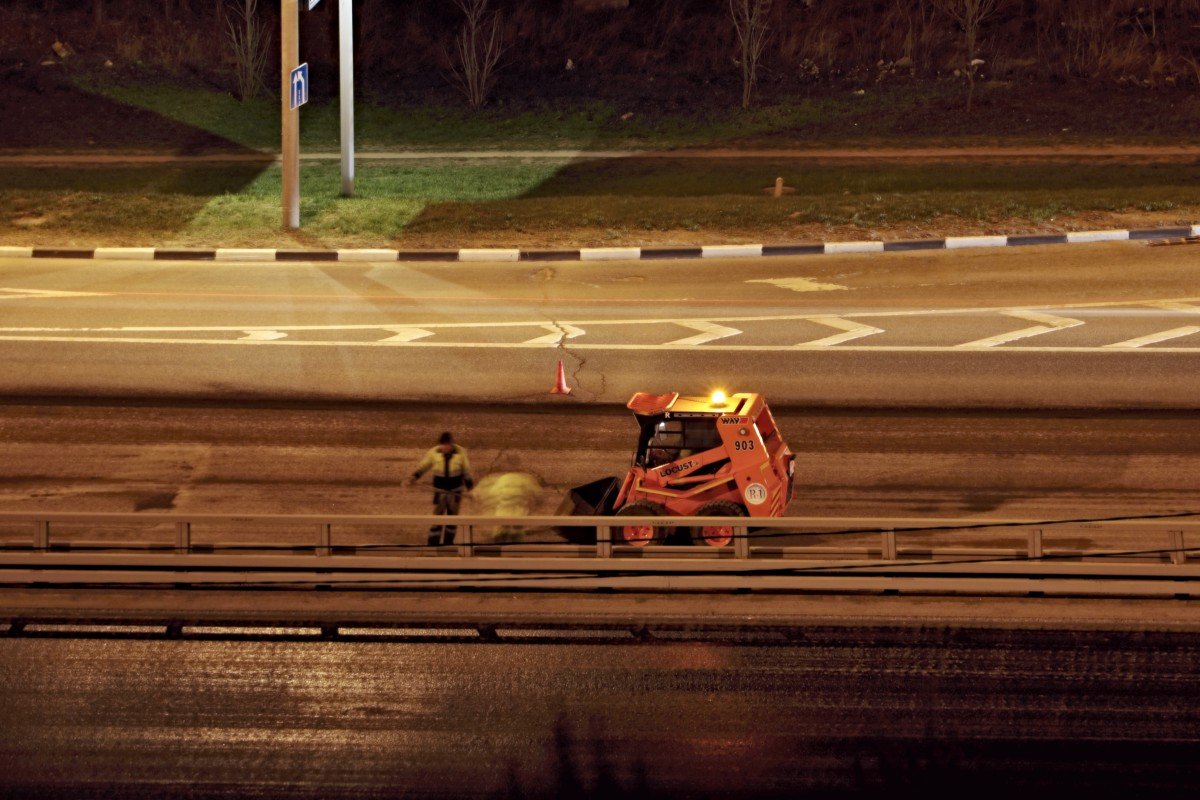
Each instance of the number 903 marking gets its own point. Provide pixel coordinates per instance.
(743, 445)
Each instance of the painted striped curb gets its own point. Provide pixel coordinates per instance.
(510, 254)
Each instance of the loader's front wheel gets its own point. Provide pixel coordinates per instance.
(642, 535)
(718, 534)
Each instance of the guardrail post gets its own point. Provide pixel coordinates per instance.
(1178, 554)
(41, 535)
(324, 539)
(741, 542)
(1035, 543)
(889, 544)
(466, 544)
(183, 537)
(603, 541)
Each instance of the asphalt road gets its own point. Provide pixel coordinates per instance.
(1083, 326)
(863, 713)
(327, 458)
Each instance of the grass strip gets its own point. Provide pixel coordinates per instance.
(542, 203)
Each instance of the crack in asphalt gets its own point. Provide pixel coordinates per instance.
(580, 364)
(545, 276)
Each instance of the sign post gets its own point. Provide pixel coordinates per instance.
(289, 21)
(294, 94)
(346, 92)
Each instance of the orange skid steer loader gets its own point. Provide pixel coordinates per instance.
(713, 456)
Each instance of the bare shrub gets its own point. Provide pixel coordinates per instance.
(750, 24)
(477, 51)
(970, 15)
(248, 39)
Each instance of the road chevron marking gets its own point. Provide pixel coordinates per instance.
(558, 334)
(404, 335)
(263, 336)
(731, 348)
(1155, 338)
(851, 331)
(1049, 324)
(709, 332)
(1173, 304)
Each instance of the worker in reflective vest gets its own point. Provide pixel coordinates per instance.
(451, 478)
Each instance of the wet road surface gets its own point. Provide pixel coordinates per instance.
(835, 712)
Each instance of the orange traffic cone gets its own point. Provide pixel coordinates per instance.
(560, 381)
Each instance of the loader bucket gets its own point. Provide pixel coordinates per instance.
(593, 499)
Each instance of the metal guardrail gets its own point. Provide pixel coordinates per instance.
(752, 537)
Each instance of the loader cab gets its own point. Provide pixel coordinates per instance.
(664, 439)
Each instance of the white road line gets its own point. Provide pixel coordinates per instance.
(800, 284)
(558, 334)
(404, 335)
(41, 294)
(853, 330)
(263, 336)
(919, 312)
(1155, 338)
(1049, 324)
(709, 332)
(630, 347)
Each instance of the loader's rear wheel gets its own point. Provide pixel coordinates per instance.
(719, 534)
(642, 535)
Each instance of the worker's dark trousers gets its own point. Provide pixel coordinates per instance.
(444, 502)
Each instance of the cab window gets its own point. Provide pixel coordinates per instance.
(667, 440)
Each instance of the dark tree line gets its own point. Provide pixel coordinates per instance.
(581, 47)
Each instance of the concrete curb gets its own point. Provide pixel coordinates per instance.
(493, 255)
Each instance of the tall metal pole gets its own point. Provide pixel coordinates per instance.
(289, 38)
(346, 92)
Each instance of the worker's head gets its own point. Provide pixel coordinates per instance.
(446, 442)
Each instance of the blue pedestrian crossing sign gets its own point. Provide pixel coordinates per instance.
(299, 84)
